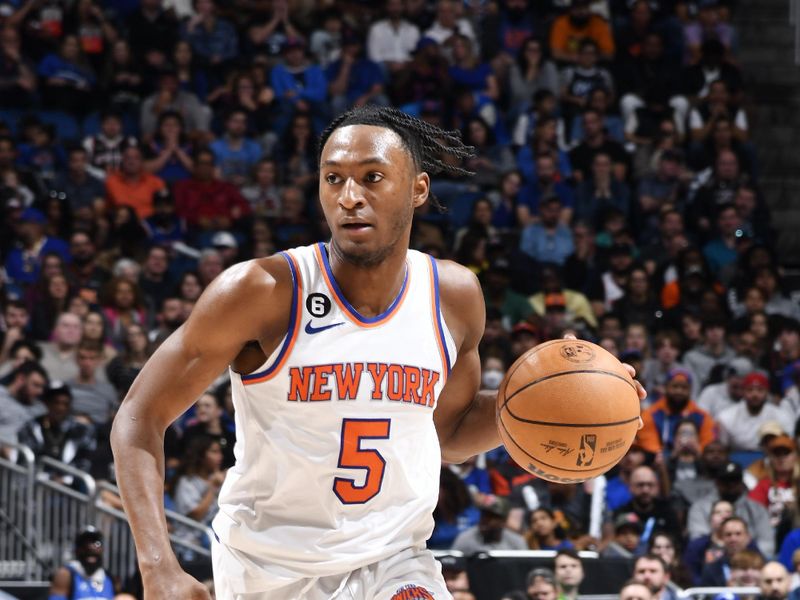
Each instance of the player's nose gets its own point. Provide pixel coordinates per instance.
(352, 195)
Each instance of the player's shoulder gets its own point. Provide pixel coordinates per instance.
(462, 301)
(262, 278)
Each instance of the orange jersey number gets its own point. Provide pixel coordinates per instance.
(352, 456)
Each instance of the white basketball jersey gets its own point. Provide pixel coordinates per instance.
(337, 458)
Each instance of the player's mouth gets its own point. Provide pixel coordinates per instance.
(356, 227)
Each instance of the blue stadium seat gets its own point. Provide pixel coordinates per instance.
(91, 124)
(66, 126)
(11, 117)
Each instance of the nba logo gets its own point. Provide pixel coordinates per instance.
(586, 450)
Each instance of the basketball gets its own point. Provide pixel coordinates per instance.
(567, 411)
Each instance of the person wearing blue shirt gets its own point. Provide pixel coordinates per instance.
(84, 578)
(721, 252)
(548, 183)
(354, 79)
(549, 240)
(236, 154)
(67, 83)
(23, 263)
(298, 86)
(212, 39)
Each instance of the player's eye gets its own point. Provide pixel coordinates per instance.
(332, 178)
(374, 177)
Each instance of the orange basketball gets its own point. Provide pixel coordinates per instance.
(567, 411)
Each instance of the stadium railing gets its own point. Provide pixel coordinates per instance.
(45, 503)
(711, 592)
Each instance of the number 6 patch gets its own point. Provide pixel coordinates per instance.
(318, 305)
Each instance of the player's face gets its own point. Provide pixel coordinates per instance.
(369, 189)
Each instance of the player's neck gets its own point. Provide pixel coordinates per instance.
(369, 289)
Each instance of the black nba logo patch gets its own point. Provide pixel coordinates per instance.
(586, 450)
(412, 592)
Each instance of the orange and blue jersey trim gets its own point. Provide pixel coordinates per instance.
(293, 329)
(345, 306)
(437, 315)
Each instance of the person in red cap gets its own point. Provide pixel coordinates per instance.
(661, 420)
(739, 424)
(776, 490)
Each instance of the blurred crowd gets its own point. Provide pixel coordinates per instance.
(146, 145)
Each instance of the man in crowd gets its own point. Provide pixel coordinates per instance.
(19, 399)
(654, 510)
(569, 574)
(652, 571)
(491, 532)
(92, 397)
(59, 355)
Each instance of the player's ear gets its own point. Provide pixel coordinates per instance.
(422, 187)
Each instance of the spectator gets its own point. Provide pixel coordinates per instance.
(652, 571)
(211, 421)
(205, 202)
(123, 77)
(544, 532)
(152, 33)
(209, 266)
(594, 142)
(636, 591)
(739, 424)
(662, 418)
(531, 71)
(548, 183)
(707, 26)
(213, 40)
(548, 240)
(168, 152)
(454, 571)
(235, 153)
(601, 191)
(67, 81)
(123, 368)
(392, 40)
(722, 252)
(94, 332)
(132, 185)
(627, 537)
(540, 585)
(196, 484)
(19, 398)
(714, 350)
(17, 74)
(735, 538)
(57, 434)
(579, 81)
(775, 581)
(13, 326)
(353, 79)
(498, 293)
(106, 147)
(776, 491)
(707, 548)
(168, 96)
(82, 189)
(92, 396)
(717, 397)
(263, 193)
(86, 572)
(53, 300)
(579, 24)
(730, 487)
(654, 511)
(490, 533)
(664, 544)
(58, 355)
(569, 573)
(448, 23)
(23, 262)
(745, 571)
(299, 86)
(575, 304)
(711, 67)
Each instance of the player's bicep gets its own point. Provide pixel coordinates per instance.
(224, 319)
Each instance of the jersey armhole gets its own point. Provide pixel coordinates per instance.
(282, 353)
(438, 320)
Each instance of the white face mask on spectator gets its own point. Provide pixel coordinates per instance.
(492, 378)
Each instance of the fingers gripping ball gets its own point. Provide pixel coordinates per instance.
(567, 411)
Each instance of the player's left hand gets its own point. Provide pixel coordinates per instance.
(639, 387)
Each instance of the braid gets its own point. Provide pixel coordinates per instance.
(426, 143)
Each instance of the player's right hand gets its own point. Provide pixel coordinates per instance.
(181, 586)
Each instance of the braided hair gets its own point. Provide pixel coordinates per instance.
(426, 143)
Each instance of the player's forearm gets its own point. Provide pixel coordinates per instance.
(139, 463)
(476, 432)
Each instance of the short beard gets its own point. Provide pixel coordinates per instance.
(364, 261)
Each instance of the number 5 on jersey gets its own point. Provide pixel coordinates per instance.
(352, 456)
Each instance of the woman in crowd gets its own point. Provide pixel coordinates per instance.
(52, 303)
(490, 159)
(94, 330)
(454, 513)
(123, 306)
(545, 533)
(189, 286)
(169, 152)
(531, 72)
(665, 545)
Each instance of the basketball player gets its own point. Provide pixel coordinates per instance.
(339, 353)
